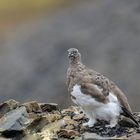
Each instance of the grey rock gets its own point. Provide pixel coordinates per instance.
(48, 107)
(135, 137)
(32, 106)
(1, 138)
(7, 106)
(91, 136)
(14, 120)
(37, 124)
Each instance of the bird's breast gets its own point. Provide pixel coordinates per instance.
(89, 103)
(83, 100)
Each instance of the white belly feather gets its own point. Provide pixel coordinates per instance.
(98, 109)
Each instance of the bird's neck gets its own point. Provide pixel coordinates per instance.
(75, 63)
(77, 66)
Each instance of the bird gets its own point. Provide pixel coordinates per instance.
(98, 97)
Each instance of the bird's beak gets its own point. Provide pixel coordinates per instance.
(70, 55)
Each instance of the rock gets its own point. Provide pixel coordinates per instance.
(50, 130)
(34, 136)
(32, 107)
(69, 127)
(48, 107)
(72, 111)
(131, 130)
(1, 138)
(69, 121)
(32, 115)
(65, 133)
(138, 130)
(90, 136)
(40, 121)
(78, 117)
(135, 137)
(53, 117)
(7, 106)
(14, 122)
(37, 124)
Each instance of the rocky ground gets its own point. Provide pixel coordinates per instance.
(33, 55)
(46, 121)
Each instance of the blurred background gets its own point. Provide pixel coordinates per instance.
(35, 36)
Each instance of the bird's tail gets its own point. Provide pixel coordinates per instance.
(129, 115)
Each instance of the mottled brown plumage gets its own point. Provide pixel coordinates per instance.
(89, 79)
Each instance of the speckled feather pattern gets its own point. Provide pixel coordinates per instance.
(94, 92)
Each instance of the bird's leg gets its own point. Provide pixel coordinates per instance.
(113, 122)
(91, 118)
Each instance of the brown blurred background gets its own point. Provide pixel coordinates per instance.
(35, 36)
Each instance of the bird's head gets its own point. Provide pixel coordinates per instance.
(74, 55)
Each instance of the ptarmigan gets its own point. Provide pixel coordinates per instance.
(98, 97)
